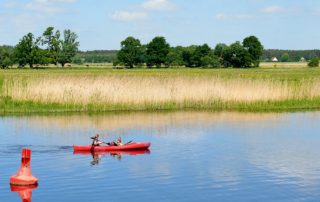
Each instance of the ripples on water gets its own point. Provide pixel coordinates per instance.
(195, 156)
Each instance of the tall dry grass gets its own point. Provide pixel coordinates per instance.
(143, 90)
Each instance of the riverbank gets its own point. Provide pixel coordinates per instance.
(100, 90)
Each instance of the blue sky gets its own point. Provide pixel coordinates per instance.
(103, 24)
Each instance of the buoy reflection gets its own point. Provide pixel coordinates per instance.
(25, 192)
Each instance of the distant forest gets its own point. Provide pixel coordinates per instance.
(103, 56)
(289, 55)
(96, 56)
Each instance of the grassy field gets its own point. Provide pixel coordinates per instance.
(286, 65)
(105, 89)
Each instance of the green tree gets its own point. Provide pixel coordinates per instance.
(44, 57)
(314, 62)
(237, 56)
(8, 49)
(52, 42)
(255, 49)
(187, 55)
(210, 60)
(199, 56)
(27, 51)
(199, 53)
(131, 52)
(157, 51)
(5, 59)
(219, 49)
(69, 47)
(285, 57)
(174, 57)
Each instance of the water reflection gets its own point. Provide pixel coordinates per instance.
(110, 126)
(112, 122)
(97, 155)
(203, 156)
(25, 192)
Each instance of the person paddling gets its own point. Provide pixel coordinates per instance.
(96, 141)
(119, 142)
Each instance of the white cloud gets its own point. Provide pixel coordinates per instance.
(141, 12)
(272, 9)
(158, 5)
(48, 6)
(222, 16)
(128, 16)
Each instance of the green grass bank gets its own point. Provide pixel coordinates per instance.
(100, 90)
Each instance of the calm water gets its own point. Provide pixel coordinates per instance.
(195, 156)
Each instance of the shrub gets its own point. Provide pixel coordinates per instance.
(314, 62)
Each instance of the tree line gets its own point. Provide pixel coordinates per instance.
(109, 56)
(50, 48)
(290, 55)
(159, 53)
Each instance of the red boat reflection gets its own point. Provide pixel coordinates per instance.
(25, 192)
(96, 156)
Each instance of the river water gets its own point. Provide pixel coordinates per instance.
(194, 156)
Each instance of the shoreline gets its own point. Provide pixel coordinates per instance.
(27, 107)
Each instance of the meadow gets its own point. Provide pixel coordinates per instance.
(105, 89)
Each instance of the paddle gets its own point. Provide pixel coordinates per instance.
(107, 143)
(128, 142)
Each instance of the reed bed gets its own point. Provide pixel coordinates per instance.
(139, 90)
(113, 91)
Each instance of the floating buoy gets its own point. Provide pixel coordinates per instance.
(24, 176)
(25, 192)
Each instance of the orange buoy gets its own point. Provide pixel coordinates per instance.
(24, 176)
(25, 192)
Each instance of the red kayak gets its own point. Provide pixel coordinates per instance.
(127, 152)
(130, 146)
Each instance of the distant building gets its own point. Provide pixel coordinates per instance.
(274, 59)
